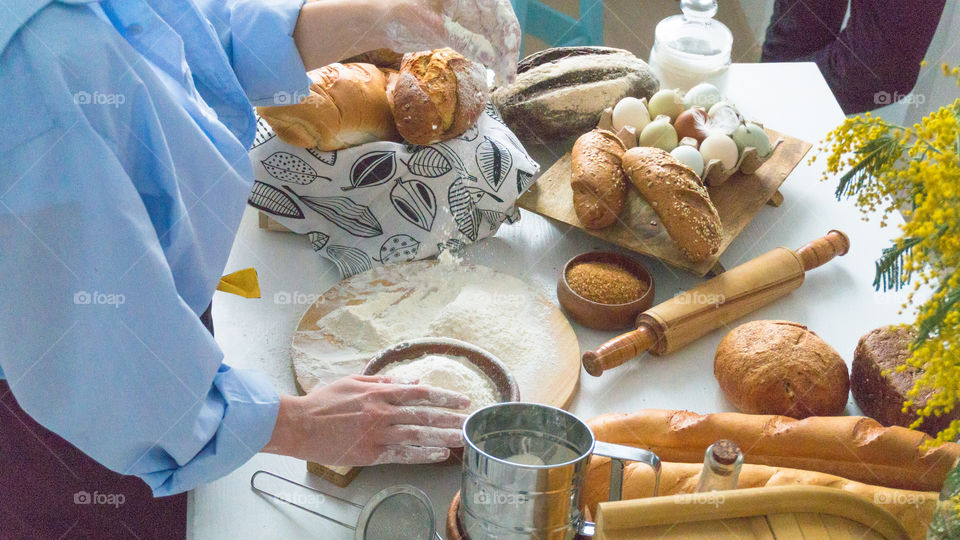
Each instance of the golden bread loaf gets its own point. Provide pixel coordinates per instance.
(913, 509)
(437, 95)
(854, 447)
(781, 367)
(599, 183)
(347, 106)
(678, 197)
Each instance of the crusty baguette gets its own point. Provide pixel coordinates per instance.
(914, 509)
(678, 197)
(347, 106)
(598, 182)
(854, 447)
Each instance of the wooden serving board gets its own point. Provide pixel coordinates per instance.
(738, 200)
(785, 512)
(319, 358)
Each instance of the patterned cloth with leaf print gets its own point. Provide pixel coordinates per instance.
(386, 202)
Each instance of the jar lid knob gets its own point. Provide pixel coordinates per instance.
(698, 10)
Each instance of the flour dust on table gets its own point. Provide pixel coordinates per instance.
(494, 311)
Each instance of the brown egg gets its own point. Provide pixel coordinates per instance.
(688, 123)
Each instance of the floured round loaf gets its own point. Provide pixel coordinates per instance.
(560, 92)
(781, 367)
(880, 390)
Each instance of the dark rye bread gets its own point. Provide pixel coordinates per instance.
(560, 92)
(880, 396)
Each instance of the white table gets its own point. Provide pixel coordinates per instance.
(837, 301)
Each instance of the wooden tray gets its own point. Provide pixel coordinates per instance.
(765, 513)
(738, 200)
(787, 512)
(556, 387)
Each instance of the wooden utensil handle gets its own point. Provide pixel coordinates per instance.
(618, 350)
(835, 243)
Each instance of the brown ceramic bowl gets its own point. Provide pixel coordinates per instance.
(605, 316)
(490, 365)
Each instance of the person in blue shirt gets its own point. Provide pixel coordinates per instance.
(123, 176)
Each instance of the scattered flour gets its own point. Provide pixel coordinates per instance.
(450, 372)
(494, 311)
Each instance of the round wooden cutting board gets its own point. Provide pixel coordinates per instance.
(319, 357)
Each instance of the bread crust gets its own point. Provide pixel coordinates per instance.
(880, 389)
(346, 106)
(855, 447)
(781, 367)
(678, 197)
(598, 182)
(437, 95)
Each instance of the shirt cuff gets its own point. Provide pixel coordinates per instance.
(265, 57)
(249, 406)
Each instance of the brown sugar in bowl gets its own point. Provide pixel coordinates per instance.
(597, 315)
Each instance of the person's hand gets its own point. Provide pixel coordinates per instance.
(485, 31)
(361, 420)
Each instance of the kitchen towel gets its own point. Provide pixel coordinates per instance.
(385, 202)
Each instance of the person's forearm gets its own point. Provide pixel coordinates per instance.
(287, 435)
(331, 30)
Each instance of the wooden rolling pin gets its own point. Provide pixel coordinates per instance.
(672, 324)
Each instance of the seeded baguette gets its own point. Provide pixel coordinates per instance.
(599, 183)
(853, 447)
(679, 199)
(914, 509)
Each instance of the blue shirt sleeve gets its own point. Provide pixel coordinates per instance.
(257, 36)
(96, 342)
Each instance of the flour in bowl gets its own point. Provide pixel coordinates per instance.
(449, 372)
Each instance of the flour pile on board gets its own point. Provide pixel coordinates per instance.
(496, 312)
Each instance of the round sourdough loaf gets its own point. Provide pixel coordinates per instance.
(781, 367)
(437, 95)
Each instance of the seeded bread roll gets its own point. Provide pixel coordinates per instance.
(437, 95)
(599, 183)
(678, 198)
(880, 390)
(781, 367)
(347, 106)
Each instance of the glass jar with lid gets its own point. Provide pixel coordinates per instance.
(691, 48)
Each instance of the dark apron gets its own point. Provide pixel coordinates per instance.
(49, 489)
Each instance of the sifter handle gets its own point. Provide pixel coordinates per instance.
(818, 252)
(618, 350)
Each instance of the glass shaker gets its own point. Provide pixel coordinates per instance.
(691, 48)
(721, 467)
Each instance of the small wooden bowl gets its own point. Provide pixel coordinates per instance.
(605, 316)
(490, 365)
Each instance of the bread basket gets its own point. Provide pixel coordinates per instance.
(385, 202)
